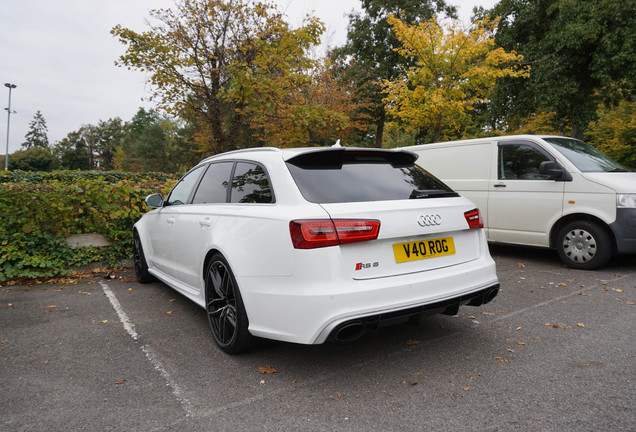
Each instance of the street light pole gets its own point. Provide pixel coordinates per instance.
(6, 156)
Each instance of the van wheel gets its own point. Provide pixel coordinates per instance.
(584, 245)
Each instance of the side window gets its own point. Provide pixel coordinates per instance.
(250, 184)
(521, 162)
(181, 192)
(214, 184)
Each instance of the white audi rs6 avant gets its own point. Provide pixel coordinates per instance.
(314, 244)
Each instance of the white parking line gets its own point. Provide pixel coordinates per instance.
(148, 351)
(128, 326)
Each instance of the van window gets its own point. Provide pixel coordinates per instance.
(585, 157)
(521, 162)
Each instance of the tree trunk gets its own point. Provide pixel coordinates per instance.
(379, 133)
(577, 131)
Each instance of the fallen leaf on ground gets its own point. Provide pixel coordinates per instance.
(618, 290)
(580, 325)
(267, 370)
(4, 342)
(121, 381)
(413, 342)
(561, 326)
(488, 313)
(520, 343)
(466, 388)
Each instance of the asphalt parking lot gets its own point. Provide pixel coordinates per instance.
(555, 351)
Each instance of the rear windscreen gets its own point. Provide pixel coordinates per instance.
(357, 176)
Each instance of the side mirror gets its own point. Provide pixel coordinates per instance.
(154, 201)
(553, 169)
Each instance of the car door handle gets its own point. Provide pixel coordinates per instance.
(205, 222)
(500, 185)
(170, 220)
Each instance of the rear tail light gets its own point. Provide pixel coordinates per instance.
(473, 217)
(316, 233)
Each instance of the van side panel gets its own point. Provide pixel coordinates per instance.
(586, 197)
(464, 166)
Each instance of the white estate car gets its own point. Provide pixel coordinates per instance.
(306, 245)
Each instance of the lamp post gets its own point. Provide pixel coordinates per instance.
(6, 156)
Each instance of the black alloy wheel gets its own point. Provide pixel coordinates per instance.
(139, 259)
(224, 306)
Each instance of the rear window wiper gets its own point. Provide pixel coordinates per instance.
(420, 194)
(618, 170)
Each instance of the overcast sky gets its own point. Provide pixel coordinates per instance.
(60, 54)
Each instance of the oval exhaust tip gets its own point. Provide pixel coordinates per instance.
(349, 332)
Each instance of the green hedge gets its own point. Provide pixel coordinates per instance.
(38, 210)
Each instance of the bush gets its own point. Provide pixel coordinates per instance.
(40, 209)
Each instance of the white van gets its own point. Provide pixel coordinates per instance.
(546, 191)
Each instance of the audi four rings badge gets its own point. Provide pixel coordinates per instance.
(429, 220)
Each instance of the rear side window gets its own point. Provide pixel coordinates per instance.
(358, 176)
(250, 184)
(214, 184)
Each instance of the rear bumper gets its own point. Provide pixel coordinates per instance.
(308, 310)
(353, 329)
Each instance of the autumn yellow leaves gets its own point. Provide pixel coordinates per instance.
(455, 69)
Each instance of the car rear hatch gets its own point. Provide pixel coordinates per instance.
(423, 224)
(414, 236)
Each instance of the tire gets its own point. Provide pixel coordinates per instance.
(584, 245)
(141, 267)
(224, 306)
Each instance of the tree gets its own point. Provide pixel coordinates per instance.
(453, 71)
(72, 152)
(222, 63)
(371, 47)
(582, 53)
(614, 133)
(316, 112)
(33, 159)
(153, 142)
(106, 137)
(37, 133)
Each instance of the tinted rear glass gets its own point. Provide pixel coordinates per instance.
(250, 185)
(348, 176)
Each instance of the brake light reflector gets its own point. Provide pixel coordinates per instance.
(316, 233)
(473, 217)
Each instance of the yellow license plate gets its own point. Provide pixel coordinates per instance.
(417, 250)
